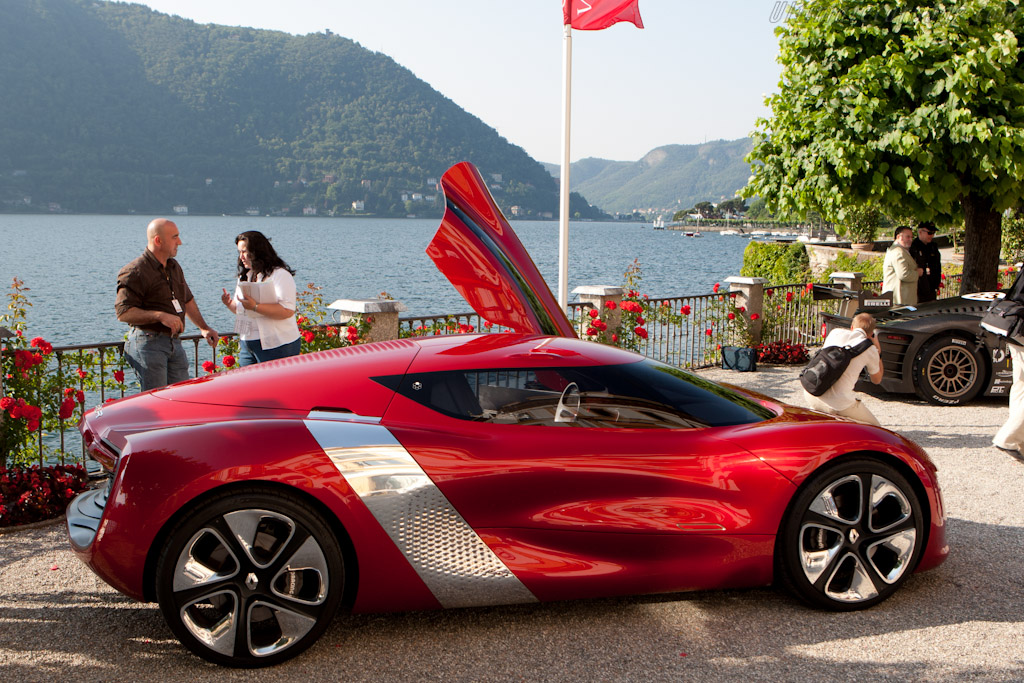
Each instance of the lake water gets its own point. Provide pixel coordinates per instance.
(70, 262)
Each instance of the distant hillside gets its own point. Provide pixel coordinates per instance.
(111, 107)
(668, 178)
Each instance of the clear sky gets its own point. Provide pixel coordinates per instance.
(698, 71)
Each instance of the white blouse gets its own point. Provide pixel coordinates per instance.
(271, 333)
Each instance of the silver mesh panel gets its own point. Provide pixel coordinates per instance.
(451, 559)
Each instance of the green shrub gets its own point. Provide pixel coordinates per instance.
(780, 264)
(849, 263)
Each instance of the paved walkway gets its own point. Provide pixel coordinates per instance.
(962, 621)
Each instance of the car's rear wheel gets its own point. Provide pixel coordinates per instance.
(851, 537)
(250, 578)
(949, 370)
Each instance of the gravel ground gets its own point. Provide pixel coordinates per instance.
(964, 620)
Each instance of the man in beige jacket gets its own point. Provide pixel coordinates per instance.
(900, 271)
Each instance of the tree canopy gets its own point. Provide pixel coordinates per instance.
(914, 105)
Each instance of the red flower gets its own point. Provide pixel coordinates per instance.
(80, 396)
(789, 296)
(6, 402)
(743, 309)
(602, 325)
(67, 408)
(208, 366)
(82, 373)
(593, 313)
(590, 332)
(615, 338)
(119, 376)
(685, 310)
(44, 346)
(769, 292)
(708, 332)
(228, 361)
(715, 288)
(754, 316)
(610, 305)
(732, 295)
(488, 324)
(641, 332)
(300, 320)
(732, 316)
(308, 336)
(640, 320)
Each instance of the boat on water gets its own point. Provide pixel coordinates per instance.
(693, 234)
(659, 223)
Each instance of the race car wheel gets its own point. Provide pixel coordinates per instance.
(250, 578)
(852, 535)
(949, 370)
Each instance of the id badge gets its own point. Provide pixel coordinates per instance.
(177, 306)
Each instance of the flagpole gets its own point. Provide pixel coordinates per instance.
(563, 214)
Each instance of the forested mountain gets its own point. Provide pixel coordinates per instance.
(668, 178)
(112, 107)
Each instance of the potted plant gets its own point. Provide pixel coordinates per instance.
(739, 348)
(860, 225)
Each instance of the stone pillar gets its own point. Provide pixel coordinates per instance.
(851, 281)
(846, 280)
(382, 312)
(750, 296)
(598, 296)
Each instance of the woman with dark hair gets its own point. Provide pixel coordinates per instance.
(263, 303)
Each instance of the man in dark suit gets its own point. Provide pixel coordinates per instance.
(926, 254)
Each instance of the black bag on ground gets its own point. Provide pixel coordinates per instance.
(828, 365)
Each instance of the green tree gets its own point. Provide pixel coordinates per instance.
(735, 205)
(916, 105)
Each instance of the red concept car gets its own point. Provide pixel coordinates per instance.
(483, 469)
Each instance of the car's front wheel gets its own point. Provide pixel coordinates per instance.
(250, 578)
(851, 537)
(949, 370)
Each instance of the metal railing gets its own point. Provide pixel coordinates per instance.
(686, 331)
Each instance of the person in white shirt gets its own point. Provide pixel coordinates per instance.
(265, 323)
(840, 398)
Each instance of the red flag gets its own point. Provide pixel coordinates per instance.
(594, 15)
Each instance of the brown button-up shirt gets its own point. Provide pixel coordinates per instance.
(146, 284)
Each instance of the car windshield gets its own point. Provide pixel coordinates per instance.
(642, 395)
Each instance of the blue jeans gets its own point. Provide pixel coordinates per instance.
(158, 360)
(252, 352)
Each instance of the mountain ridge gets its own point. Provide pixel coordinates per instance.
(668, 178)
(120, 109)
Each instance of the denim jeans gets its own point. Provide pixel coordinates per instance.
(252, 352)
(157, 359)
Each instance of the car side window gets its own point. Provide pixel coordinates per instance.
(643, 395)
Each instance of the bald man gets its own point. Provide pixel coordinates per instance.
(153, 298)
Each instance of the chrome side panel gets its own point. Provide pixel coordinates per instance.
(451, 559)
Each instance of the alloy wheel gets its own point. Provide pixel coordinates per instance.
(250, 587)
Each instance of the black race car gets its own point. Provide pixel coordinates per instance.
(936, 349)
